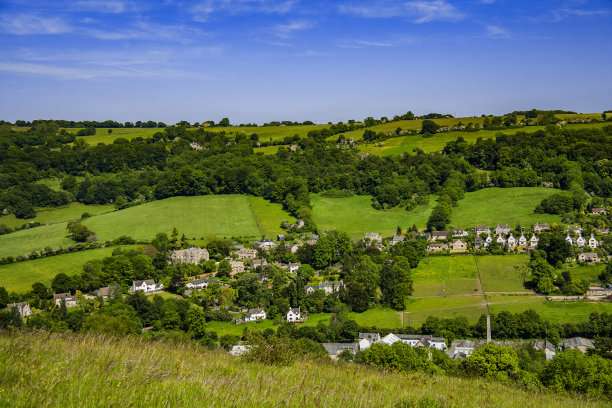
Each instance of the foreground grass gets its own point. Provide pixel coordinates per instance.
(49, 370)
(356, 216)
(495, 205)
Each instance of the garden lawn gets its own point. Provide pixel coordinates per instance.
(72, 211)
(492, 206)
(356, 216)
(20, 276)
(502, 273)
(196, 217)
(269, 216)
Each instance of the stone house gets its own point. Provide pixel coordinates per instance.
(104, 292)
(459, 245)
(598, 211)
(237, 267)
(23, 308)
(396, 239)
(460, 233)
(589, 257)
(246, 253)
(265, 244)
(191, 255)
(437, 247)
(71, 301)
(502, 229)
(482, 229)
(577, 343)
(439, 235)
(537, 227)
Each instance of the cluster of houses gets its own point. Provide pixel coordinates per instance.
(465, 348)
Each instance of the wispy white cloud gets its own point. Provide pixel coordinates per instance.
(563, 13)
(142, 30)
(105, 6)
(374, 43)
(27, 24)
(202, 10)
(497, 32)
(287, 30)
(418, 11)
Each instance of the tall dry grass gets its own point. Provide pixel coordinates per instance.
(50, 370)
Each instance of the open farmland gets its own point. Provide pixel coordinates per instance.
(34, 239)
(502, 273)
(356, 216)
(72, 211)
(512, 206)
(102, 135)
(20, 276)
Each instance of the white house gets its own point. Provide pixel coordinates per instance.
(293, 315)
(255, 314)
(201, 283)
(488, 241)
(265, 244)
(593, 242)
(460, 233)
(511, 242)
(415, 340)
(69, 300)
(569, 239)
(533, 242)
(294, 266)
(23, 308)
(390, 339)
(522, 241)
(146, 286)
(580, 241)
(396, 240)
(501, 241)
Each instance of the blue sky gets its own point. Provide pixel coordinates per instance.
(263, 60)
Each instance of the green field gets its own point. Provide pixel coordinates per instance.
(502, 273)
(54, 215)
(221, 215)
(446, 275)
(356, 216)
(561, 312)
(269, 216)
(588, 273)
(34, 239)
(417, 310)
(102, 135)
(512, 206)
(20, 276)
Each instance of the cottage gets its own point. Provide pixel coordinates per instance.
(293, 315)
(415, 340)
(463, 348)
(299, 224)
(537, 228)
(574, 229)
(146, 286)
(334, 349)
(293, 248)
(549, 349)
(372, 236)
(437, 247)
(460, 233)
(104, 292)
(589, 257)
(593, 242)
(256, 263)
(522, 241)
(293, 267)
(246, 253)
(533, 242)
(511, 242)
(501, 241)
(265, 244)
(201, 283)
(69, 300)
(255, 314)
(191, 255)
(488, 241)
(396, 240)
(482, 229)
(502, 229)
(569, 239)
(439, 235)
(577, 343)
(603, 231)
(458, 245)
(432, 342)
(23, 308)
(479, 243)
(599, 211)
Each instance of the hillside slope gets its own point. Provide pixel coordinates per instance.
(47, 369)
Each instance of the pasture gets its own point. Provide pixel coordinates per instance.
(502, 273)
(511, 206)
(52, 215)
(268, 216)
(417, 310)
(196, 217)
(34, 239)
(102, 135)
(20, 276)
(356, 216)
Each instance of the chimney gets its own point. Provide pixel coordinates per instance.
(488, 329)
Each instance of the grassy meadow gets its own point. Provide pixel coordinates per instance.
(268, 216)
(502, 273)
(511, 206)
(102, 135)
(356, 216)
(52, 215)
(20, 276)
(34, 239)
(50, 369)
